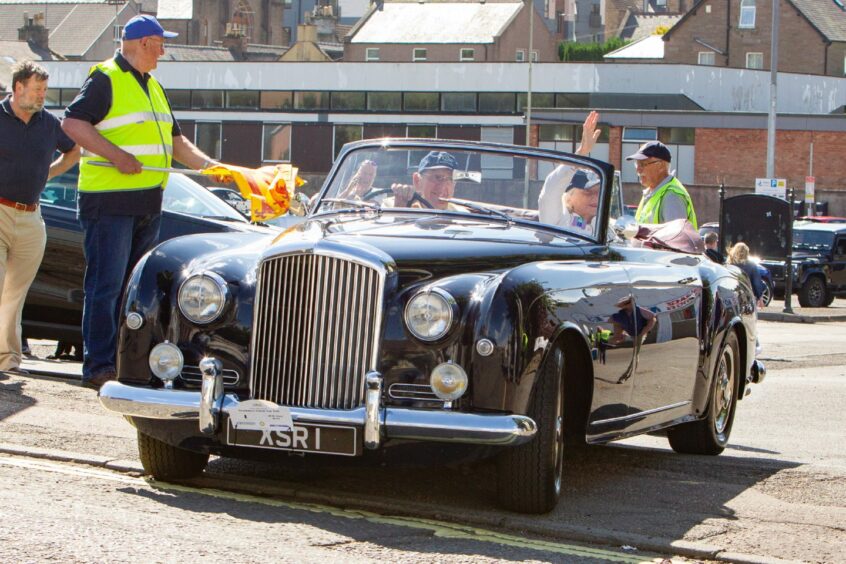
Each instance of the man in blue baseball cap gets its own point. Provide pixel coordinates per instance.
(432, 182)
(122, 119)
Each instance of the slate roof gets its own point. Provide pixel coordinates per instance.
(73, 26)
(436, 22)
(14, 51)
(640, 26)
(826, 16)
(204, 53)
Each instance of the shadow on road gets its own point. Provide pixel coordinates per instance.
(13, 397)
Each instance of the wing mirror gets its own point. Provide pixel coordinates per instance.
(300, 204)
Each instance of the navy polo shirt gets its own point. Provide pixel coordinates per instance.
(92, 104)
(26, 152)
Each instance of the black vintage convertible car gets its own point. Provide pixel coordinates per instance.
(455, 313)
(53, 308)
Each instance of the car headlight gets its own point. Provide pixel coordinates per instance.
(202, 297)
(429, 314)
(166, 362)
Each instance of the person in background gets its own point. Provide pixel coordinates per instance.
(29, 139)
(711, 239)
(121, 116)
(664, 197)
(739, 256)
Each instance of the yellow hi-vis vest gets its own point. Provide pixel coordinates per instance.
(650, 211)
(137, 122)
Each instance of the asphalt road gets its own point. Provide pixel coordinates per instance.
(778, 492)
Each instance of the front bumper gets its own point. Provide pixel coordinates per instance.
(379, 423)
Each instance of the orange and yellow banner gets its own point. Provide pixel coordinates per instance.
(269, 189)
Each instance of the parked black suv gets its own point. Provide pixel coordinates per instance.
(819, 263)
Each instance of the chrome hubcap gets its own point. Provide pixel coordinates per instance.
(724, 393)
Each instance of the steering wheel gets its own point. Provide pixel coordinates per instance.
(376, 192)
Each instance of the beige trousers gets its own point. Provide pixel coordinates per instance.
(22, 241)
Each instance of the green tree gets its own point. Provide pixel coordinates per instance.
(569, 51)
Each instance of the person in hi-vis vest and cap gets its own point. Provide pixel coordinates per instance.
(121, 116)
(664, 197)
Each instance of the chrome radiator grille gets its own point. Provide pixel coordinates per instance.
(315, 329)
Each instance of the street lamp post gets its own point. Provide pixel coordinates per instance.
(526, 172)
(771, 118)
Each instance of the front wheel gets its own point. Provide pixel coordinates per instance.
(165, 462)
(711, 434)
(767, 296)
(529, 476)
(813, 293)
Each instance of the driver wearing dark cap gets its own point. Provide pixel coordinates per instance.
(432, 182)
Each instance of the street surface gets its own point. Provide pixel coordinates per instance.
(778, 492)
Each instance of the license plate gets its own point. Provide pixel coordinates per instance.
(305, 437)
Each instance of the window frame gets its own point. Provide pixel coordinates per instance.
(747, 10)
(713, 57)
(216, 154)
(369, 52)
(264, 127)
(758, 54)
(416, 55)
(336, 147)
(520, 56)
(463, 57)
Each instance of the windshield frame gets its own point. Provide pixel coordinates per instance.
(603, 169)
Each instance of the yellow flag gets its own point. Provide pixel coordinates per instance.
(269, 189)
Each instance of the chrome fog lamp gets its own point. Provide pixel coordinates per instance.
(202, 297)
(429, 314)
(448, 381)
(166, 362)
(134, 320)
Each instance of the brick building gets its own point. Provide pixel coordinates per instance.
(206, 22)
(812, 36)
(450, 31)
(623, 18)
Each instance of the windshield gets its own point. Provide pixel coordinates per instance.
(506, 185)
(186, 196)
(812, 240)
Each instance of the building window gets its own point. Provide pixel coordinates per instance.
(754, 60)
(384, 101)
(311, 100)
(458, 102)
(346, 134)
(520, 55)
(348, 101)
(844, 66)
(179, 99)
(276, 100)
(276, 143)
(371, 54)
(420, 102)
(707, 58)
(242, 99)
(419, 54)
(747, 14)
(467, 55)
(118, 32)
(206, 99)
(496, 102)
(534, 56)
(539, 100)
(640, 134)
(424, 131)
(207, 137)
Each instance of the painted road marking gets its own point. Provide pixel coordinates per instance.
(437, 528)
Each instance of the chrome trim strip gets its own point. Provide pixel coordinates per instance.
(372, 428)
(640, 414)
(398, 423)
(211, 395)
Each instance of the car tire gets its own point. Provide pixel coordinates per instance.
(767, 296)
(529, 476)
(813, 293)
(165, 462)
(710, 435)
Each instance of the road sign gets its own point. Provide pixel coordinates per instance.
(771, 187)
(810, 181)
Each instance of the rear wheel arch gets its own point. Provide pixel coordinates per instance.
(578, 384)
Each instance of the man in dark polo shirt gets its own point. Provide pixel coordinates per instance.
(29, 138)
(122, 117)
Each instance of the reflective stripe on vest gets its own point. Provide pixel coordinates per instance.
(650, 211)
(137, 122)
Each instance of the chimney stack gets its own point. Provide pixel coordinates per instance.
(33, 31)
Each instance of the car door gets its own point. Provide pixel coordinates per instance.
(838, 264)
(669, 287)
